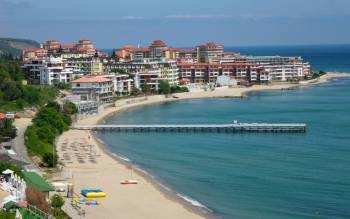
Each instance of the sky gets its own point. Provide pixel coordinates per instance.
(113, 23)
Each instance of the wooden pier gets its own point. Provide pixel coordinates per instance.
(225, 128)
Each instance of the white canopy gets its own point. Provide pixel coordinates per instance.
(8, 171)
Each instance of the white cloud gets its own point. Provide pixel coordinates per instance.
(132, 18)
(202, 16)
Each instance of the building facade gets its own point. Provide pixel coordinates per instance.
(93, 88)
(48, 71)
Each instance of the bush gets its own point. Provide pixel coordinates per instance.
(178, 89)
(57, 201)
(50, 159)
(70, 108)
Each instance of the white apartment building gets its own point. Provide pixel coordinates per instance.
(156, 71)
(94, 88)
(122, 84)
(48, 71)
(287, 72)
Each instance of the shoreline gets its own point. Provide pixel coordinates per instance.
(171, 194)
(187, 210)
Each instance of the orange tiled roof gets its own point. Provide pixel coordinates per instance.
(92, 80)
(158, 43)
(3, 116)
(69, 46)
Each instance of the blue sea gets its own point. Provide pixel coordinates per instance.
(252, 175)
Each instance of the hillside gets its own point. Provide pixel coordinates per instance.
(14, 47)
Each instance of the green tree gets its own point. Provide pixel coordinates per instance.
(145, 88)
(164, 87)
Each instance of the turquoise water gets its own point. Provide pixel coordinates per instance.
(251, 175)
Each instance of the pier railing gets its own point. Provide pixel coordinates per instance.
(229, 128)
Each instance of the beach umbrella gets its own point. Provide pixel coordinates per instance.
(7, 172)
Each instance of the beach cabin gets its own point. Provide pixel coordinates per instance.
(38, 183)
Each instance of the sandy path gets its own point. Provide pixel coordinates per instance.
(18, 143)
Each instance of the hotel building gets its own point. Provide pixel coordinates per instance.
(147, 71)
(122, 83)
(48, 71)
(210, 52)
(93, 88)
(202, 73)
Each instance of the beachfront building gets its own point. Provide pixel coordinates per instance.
(157, 71)
(48, 71)
(93, 88)
(84, 107)
(203, 73)
(278, 68)
(122, 83)
(148, 71)
(287, 72)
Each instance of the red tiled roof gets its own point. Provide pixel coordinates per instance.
(158, 43)
(94, 79)
(69, 46)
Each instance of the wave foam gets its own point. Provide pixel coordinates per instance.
(193, 201)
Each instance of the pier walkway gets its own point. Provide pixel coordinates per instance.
(229, 128)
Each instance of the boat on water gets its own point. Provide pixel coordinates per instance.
(129, 181)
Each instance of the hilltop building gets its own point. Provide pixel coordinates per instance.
(48, 71)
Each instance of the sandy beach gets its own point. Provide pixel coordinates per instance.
(92, 167)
